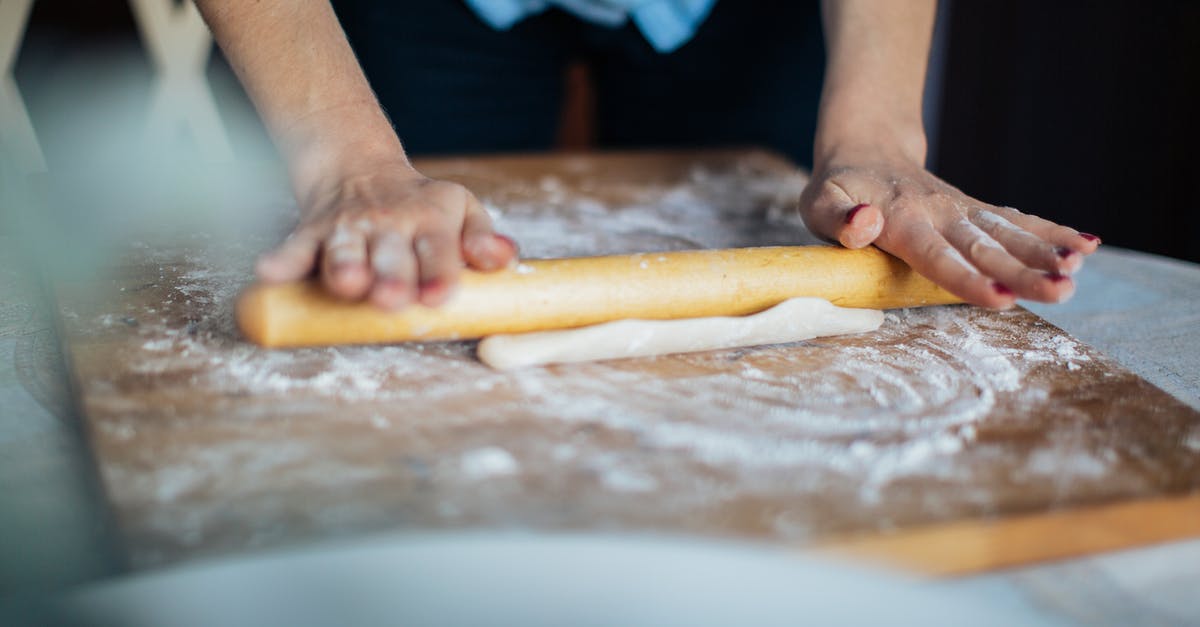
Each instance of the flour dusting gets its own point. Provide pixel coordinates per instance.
(487, 462)
(864, 417)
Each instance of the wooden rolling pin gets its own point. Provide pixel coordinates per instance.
(537, 295)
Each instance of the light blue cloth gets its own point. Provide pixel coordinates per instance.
(666, 24)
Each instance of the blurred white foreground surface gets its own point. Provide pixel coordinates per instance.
(517, 579)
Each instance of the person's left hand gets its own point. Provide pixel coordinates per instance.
(986, 255)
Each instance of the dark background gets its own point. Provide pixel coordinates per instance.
(1082, 112)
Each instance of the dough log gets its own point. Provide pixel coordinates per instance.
(790, 321)
(549, 294)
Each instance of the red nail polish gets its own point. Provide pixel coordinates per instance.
(1001, 289)
(1063, 252)
(1057, 277)
(853, 212)
(1089, 237)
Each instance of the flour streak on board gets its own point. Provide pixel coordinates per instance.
(870, 414)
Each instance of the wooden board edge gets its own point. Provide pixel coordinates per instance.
(550, 161)
(977, 546)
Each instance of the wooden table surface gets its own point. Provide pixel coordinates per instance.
(953, 440)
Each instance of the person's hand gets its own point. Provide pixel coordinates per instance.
(388, 234)
(986, 255)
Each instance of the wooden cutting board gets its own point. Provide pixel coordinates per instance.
(942, 439)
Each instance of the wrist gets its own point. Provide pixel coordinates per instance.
(869, 143)
(859, 116)
(860, 150)
(340, 143)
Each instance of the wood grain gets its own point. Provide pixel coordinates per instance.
(944, 417)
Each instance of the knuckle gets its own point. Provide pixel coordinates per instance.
(479, 216)
(361, 220)
(823, 198)
(448, 192)
(410, 217)
(478, 229)
(343, 240)
(831, 191)
(432, 246)
(932, 250)
(978, 248)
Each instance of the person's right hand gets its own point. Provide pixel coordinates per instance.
(372, 227)
(390, 235)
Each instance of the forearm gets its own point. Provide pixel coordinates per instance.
(878, 52)
(299, 70)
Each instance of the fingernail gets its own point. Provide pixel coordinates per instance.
(436, 292)
(1089, 237)
(508, 241)
(1057, 277)
(1063, 252)
(1001, 289)
(853, 212)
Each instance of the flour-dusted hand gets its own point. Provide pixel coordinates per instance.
(390, 235)
(870, 185)
(372, 226)
(985, 254)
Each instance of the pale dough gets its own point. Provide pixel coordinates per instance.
(790, 321)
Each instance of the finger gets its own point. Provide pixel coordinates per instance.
(482, 247)
(344, 270)
(923, 248)
(292, 260)
(395, 270)
(438, 266)
(1032, 250)
(1083, 243)
(833, 213)
(993, 260)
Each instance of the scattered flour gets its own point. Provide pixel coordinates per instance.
(622, 480)
(987, 217)
(491, 461)
(1054, 463)
(867, 413)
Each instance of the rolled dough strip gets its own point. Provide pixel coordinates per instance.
(541, 295)
(790, 321)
